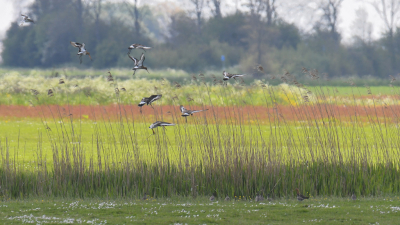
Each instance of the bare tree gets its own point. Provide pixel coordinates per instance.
(270, 11)
(134, 12)
(262, 15)
(362, 28)
(79, 9)
(198, 4)
(96, 6)
(217, 8)
(330, 9)
(262, 10)
(389, 11)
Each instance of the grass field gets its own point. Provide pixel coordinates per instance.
(201, 211)
(92, 141)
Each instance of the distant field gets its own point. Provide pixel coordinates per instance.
(186, 210)
(17, 89)
(89, 139)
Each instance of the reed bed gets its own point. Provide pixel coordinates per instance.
(228, 150)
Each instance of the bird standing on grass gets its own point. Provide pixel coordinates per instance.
(144, 197)
(228, 76)
(227, 198)
(160, 124)
(300, 197)
(82, 51)
(259, 198)
(26, 19)
(353, 197)
(186, 112)
(138, 46)
(213, 196)
(138, 63)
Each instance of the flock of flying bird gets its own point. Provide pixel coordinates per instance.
(138, 65)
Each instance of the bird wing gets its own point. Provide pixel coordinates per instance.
(145, 47)
(25, 16)
(142, 58)
(182, 109)
(133, 59)
(76, 44)
(144, 101)
(195, 111)
(238, 75)
(154, 98)
(165, 124)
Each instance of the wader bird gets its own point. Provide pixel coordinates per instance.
(228, 76)
(138, 63)
(186, 112)
(138, 46)
(160, 124)
(149, 100)
(300, 197)
(26, 19)
(82, 51)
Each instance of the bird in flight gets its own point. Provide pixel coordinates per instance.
(160, 124)
(149, 100)
(138, 63)
(138, 46)
(228, 76)
(82, 51)
(186, 112)
(300, 197)
(26, 19)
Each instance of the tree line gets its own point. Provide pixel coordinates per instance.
(254, 34)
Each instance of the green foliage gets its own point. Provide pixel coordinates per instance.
(178, 42)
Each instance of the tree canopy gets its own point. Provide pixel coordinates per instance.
(188, 41)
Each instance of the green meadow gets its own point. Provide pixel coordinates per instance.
(383, 210)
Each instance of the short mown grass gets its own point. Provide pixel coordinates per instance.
(179, 210)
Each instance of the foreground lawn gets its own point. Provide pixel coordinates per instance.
(202, 211)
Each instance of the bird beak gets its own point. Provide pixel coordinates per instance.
(90, 56)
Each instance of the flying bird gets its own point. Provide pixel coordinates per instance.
(228, 76)
(26, 19)
(160, 124)
(186, 112)
(138, 63)
(149, 100)
(300, 197)
(138, 46)
(82, 51)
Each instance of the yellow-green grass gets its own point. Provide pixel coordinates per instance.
(28, 140)
(179, 210)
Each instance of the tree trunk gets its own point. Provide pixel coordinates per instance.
(217, 5)
(80, 16)
(137, 24)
